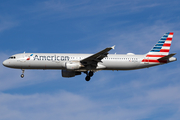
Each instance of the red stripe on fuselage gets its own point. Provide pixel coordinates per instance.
(155, 61)
(155, 55)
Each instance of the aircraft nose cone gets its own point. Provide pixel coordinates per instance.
(5, 63)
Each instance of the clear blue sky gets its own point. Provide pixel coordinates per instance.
(85, 26)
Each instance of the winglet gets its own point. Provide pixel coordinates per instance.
(113, 47)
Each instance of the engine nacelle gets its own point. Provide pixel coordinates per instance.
(72, 65)
(70, 73)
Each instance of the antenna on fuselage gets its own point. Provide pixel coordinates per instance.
(24, 54)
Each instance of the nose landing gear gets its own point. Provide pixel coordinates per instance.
(89, 75)
(22, 75)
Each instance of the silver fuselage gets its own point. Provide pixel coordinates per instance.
(57, 61)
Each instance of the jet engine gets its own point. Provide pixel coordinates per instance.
(70, 73)
(72, 65)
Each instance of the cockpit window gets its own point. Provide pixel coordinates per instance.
(12, 57)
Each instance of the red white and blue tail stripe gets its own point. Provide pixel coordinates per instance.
(160, 50)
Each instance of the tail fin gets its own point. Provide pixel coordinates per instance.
(161, 48)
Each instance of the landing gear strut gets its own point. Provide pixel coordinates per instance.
(89, 75)
(22, 75)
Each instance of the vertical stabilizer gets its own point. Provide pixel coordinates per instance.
(163, 45)
(161, 49)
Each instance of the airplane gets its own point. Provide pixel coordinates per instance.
(75, 64)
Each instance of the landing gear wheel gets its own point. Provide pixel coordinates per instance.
(22, 75)
(91, 73)
(88, 78)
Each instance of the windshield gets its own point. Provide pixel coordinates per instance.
(12, 57)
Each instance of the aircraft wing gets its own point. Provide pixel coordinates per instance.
(98, 56)
(167, 57)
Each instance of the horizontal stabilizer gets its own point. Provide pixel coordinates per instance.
(167, 57)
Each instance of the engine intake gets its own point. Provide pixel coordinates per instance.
(72, 65)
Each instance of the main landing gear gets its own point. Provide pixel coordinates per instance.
(22, 75)
(89, 75)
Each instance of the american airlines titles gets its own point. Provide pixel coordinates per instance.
(52, 58)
